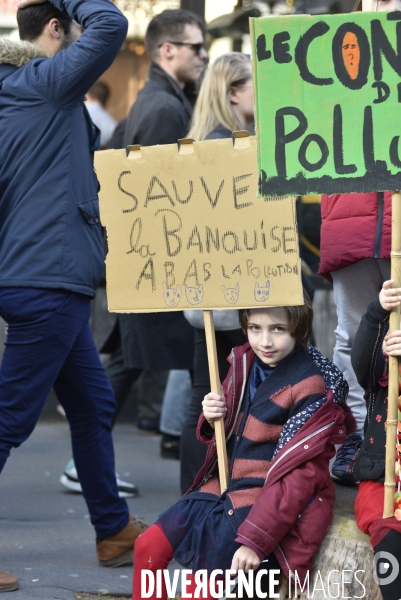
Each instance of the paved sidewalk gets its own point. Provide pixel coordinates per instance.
(46, 539)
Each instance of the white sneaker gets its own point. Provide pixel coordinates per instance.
(69, 479)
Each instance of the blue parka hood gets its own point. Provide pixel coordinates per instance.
(5, 70)
(50, 232)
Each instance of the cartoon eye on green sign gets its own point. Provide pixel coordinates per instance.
(328, 103)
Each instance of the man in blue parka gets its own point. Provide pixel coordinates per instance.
(51, 251)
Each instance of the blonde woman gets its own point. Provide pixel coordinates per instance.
(224, 105)
(225, 101)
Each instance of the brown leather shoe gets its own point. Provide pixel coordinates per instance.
(8, 583)
(118, 550)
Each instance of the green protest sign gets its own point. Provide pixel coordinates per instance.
(328, 103)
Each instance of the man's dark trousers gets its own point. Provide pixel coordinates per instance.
(49, 344)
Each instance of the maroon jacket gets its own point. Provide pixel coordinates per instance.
(283, 520)
(354, 227)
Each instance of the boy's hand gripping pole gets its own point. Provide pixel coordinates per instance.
(393, 376)
(216, 389)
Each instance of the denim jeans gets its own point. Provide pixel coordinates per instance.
(176, 402)
(49, 344)
(354, 287)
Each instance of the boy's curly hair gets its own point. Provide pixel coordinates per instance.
(299, 319)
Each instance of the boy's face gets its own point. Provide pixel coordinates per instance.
(269, 336)
(186, 63)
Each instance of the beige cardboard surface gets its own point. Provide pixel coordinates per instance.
(186, 230)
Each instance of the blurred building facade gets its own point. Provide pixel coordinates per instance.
(228, 29)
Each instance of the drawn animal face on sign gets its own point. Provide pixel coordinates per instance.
(351, 54)
(194, 294)
(231, 294)
(262, 293)
(171, 295)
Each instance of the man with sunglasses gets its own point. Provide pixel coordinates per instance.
(161, 113)
(51, 249)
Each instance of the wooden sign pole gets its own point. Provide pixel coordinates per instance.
(216, 389)
(393, 379)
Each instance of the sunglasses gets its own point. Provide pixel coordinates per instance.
(195, 47)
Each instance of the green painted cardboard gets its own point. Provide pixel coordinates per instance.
(328, 103)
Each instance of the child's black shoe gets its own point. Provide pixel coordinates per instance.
(341, 470)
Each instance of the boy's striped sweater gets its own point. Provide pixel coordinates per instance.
(294, 386)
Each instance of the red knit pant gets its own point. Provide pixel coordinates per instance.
(153, 552)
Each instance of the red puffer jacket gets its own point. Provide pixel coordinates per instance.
(283, 520)
(354, 227)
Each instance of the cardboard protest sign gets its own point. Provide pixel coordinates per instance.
(328, 103)
(186, 230)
